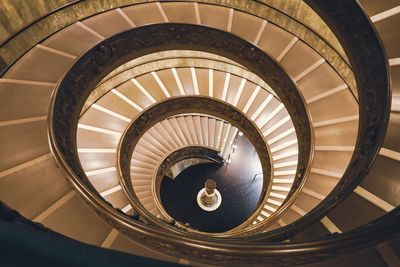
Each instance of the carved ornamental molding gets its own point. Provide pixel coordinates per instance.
(368, 60)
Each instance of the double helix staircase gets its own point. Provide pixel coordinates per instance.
(33, 182)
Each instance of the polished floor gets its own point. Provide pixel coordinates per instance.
(239, 188)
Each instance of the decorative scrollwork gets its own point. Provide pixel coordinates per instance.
(367, 57)
(187, 152)
(181, 105)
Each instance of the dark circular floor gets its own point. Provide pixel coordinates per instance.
(235, 181)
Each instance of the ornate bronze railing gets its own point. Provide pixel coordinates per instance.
(173, 158)
(187, 152)
(248, 225)
(184, 37)
(181, 105)
(27, 243)
(161, 61)
(369, 62)
(320, 38)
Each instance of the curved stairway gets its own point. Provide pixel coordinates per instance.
(30, 175)
(104, 119)
(168, 136)
(130, 97)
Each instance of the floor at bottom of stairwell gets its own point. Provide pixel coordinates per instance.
(235, 181)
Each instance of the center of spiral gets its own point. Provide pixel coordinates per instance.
(209, 198)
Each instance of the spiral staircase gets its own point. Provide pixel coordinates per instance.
(100, 99)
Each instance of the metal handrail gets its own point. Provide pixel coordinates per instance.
(347, 18)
